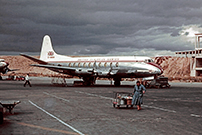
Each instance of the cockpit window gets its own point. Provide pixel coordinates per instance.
(149, 60)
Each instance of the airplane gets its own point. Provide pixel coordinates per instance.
(4, 67)
(90, 68)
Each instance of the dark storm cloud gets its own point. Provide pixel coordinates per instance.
(95, 26)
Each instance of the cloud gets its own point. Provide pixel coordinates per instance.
(86, 27)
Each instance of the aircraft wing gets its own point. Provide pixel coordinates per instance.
(33, 59)
(74, 71)
(54, 67)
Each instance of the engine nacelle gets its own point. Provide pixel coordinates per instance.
(83, 72)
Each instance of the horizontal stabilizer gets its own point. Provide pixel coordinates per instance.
(10, 70)
(34, 59)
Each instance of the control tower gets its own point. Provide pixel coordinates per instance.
(196, 69)
(196, 60)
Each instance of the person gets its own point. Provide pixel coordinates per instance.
(139, 90)
(27, 80)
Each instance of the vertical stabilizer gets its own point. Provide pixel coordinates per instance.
(47, 52)
(47, 49)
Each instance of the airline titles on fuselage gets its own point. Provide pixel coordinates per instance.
(100, 59)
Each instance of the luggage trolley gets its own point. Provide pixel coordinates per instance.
(9, 104)
(122, 98)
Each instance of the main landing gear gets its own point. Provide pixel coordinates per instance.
(87, 81)
(117, 81)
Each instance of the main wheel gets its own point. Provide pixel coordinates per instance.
(1, 117)
(158, 86)
(89, 81)
(117, 82)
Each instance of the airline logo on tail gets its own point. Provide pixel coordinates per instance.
(51, 54)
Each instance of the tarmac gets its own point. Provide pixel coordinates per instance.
(51, 109)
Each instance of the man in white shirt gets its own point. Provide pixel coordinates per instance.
(27, 80)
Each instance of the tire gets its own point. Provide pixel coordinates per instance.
(158, 86)
(117, 83)
(88, 81)
(1, 118)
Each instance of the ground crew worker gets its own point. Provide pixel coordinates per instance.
(27, 80)
(139, 90)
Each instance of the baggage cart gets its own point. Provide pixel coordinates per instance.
(9, 104)
(122, 99)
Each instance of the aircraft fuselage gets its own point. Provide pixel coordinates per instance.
(109, 67)
(89, 68)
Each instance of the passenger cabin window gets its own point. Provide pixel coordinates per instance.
(74, 64)
(69, 65)
(89, 64)
(84, 64)
(117, 64)
(105, 64)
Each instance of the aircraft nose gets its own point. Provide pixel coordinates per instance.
(4, 64)
(158, 68)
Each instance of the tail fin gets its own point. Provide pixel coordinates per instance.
(47, 52)
(47, 49)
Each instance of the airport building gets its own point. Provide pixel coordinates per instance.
(196, 57)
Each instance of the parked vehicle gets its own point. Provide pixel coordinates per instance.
(20, 78)
(160, 82)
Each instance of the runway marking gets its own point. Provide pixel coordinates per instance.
(56, 96)
(194, 115)
(158, 108)
(94, 95)
(56, 118)
(49, 129)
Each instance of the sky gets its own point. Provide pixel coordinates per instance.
(100, 27)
